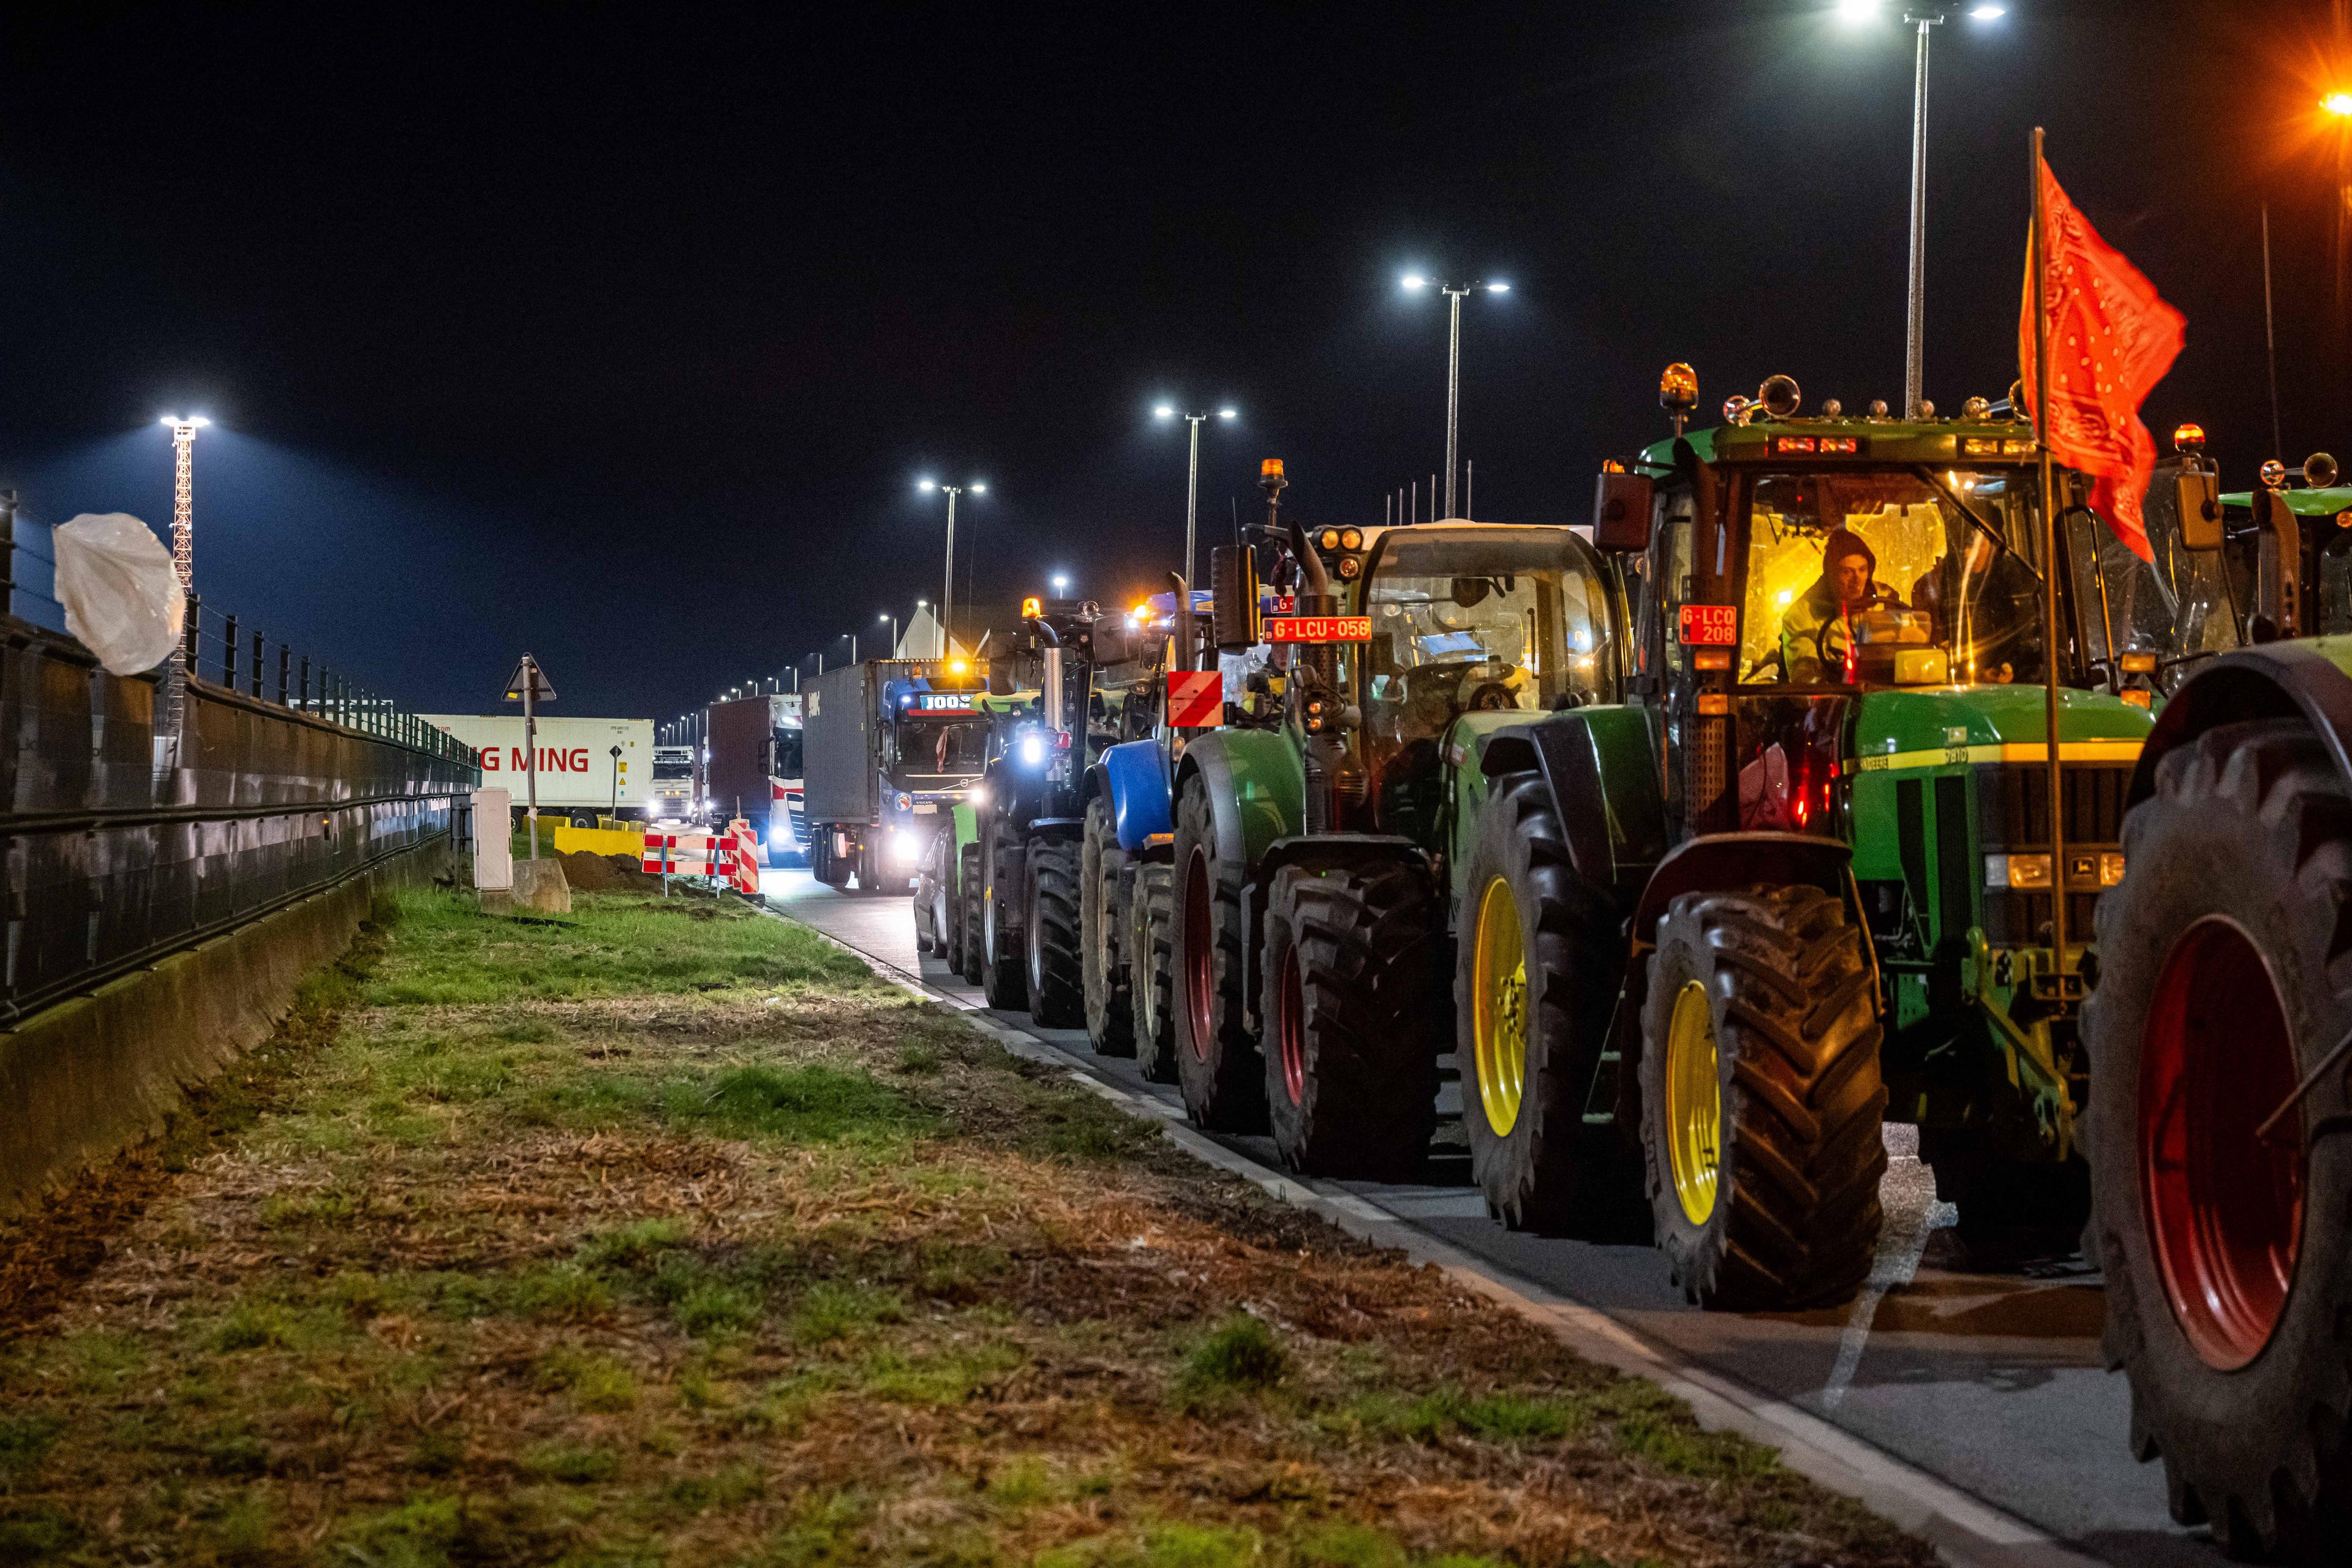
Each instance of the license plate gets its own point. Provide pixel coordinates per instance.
(1318, 628)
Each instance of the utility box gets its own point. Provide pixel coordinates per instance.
(493, 839)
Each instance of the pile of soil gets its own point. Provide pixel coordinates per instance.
(602, 873)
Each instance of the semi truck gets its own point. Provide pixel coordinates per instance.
(892, 745)
(674, 800)
(588, 768)
(751, 768)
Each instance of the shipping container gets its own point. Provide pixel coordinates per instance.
(588, 768)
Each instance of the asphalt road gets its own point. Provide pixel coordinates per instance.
(1991, 1382)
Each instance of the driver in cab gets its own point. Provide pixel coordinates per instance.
(1818, 629)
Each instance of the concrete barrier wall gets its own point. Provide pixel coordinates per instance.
(91, 1076)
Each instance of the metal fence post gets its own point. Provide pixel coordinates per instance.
(8, 550)
(285, 668)
(228, 654)
(305, 702)
(194, 628)
(255, 679)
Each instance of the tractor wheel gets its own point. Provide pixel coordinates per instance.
(1217, 1059)
(2223, 986)
(1354, 1021)
(1110, 1001)
(1051, 935)
(970, 922)
(1536, 976)
(1152, 941)
(1762, 1100)
(1004, 961)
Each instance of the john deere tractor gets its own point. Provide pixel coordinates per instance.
(2221, 1043)
(1731, 830)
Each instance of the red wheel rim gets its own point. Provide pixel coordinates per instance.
(1290, 1027)
(2224, 1207)
(1200, 988)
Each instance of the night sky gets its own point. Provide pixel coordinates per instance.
(623, 335)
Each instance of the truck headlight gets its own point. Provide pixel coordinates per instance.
(903, 848)
(779, 833)
(1033, 751)
(2019, 871)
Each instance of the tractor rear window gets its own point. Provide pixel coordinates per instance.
(1490, 618)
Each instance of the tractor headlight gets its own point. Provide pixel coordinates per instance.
(978, 796)
(2019, 871)
(1033, 751)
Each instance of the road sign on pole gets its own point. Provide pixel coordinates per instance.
(529, 686)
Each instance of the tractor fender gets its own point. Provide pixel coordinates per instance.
(1256, 786)
(1056, 829)
(1603, 770)
(1718, 861)
(1134, 778)
(2311, 679)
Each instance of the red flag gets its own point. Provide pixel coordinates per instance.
(2111, 341)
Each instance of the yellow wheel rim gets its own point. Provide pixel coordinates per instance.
(1499, 1007)
(1694, 1104)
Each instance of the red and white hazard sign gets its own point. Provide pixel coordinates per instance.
(731, 857)
(1196, 698)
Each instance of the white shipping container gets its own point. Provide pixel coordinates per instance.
(579, 776)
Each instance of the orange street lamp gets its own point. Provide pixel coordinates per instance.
(2338, 104)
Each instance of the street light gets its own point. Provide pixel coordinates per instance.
(1914, 329)
(1061, 583)
(887, 616)
(1191, 476)
(184, 516)
(947, 600)
(1452, 292)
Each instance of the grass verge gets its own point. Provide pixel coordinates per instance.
(667, 1234)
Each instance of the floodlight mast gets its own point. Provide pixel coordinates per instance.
(184, 515)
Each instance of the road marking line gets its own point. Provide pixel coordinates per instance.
(1897, 1263)
(1966, 1531)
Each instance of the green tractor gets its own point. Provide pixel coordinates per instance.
(2221, 1039)
(1730, 827)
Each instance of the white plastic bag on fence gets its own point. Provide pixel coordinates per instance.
(121, 591)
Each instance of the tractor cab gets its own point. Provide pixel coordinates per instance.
(2295, 552)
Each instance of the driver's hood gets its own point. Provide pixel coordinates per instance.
(1949, 725)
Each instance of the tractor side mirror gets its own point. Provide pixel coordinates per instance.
(1621, 513)
(1112, 645)
(2199, 495)
(1233, 612)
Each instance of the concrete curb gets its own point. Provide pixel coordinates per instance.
(1965, 1530)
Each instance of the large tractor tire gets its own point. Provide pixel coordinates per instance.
(1003, 957)
(1536, 970)
(1217, 1060)
(2223, 984)
(1151, 941)
(1110, 997)
(1354, 1019)
(1051, 936)
(972, 923)
(1762, 1107)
